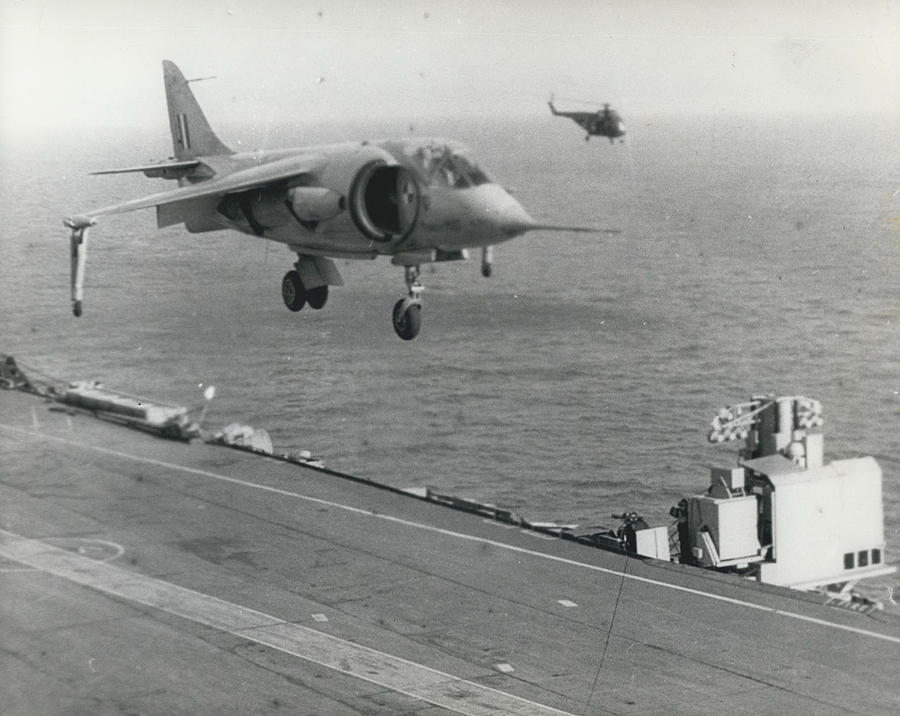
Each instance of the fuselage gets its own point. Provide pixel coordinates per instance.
(444, 200)
(607, 124)
(604, 123)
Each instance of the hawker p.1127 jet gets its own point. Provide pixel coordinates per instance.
(415, 200)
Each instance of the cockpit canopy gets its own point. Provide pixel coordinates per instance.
(443, 164)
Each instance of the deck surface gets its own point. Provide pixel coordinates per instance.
(141, 575)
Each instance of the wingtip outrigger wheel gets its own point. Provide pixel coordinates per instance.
(78, 243)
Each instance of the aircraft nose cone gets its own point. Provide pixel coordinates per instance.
(494, 214)
(514, 220)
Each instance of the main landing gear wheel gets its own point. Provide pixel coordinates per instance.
(407, 319)
(317, 297)
(293, 291)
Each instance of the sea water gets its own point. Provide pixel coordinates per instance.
(756, 255)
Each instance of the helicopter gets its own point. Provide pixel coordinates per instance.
(604, 122)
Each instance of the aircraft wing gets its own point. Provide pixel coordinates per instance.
(240, 180)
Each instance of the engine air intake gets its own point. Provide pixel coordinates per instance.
(384, 201)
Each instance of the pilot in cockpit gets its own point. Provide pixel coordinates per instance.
(440, 165)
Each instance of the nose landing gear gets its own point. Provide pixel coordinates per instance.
(407, 311)
(487, 260)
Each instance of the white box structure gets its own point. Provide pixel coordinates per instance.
(653, 542)
(826, 523)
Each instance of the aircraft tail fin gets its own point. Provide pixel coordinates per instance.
(191, 134)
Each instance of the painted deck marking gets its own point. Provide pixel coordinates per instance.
(567, 603)
(459, 535)
(532, 533)
(400, 675)
(501, 525)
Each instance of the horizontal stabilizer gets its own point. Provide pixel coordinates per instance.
(157, 169)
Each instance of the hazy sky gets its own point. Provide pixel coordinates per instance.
(97, 62)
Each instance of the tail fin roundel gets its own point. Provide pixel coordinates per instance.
(191, 134)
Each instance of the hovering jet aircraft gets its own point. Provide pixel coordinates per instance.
(605, 122)
(415, 200)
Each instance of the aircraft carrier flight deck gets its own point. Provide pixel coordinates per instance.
(144, 575)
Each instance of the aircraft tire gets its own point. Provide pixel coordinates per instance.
(486, 270)
(292, 291)
(407, 322)
(317, 297)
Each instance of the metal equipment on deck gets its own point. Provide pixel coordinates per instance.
(168, 421)
(11, 377)
(17, 376)
(782, 515)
